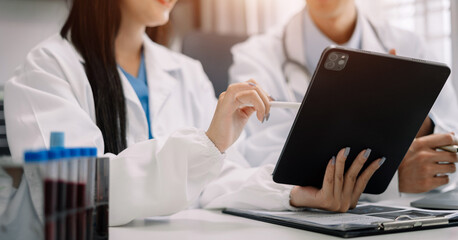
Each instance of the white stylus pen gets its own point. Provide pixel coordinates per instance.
(291, 105)
(276, 104)
(452, 148)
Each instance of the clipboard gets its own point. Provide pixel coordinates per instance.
(403, 222)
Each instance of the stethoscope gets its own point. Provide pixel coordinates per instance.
(289, 61)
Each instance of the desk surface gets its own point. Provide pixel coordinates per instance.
(204, 224)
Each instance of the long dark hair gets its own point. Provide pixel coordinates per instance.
(92, 26)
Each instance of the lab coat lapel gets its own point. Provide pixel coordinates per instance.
(137, 127)
(160, 68)
(162, 72)
(129, 91)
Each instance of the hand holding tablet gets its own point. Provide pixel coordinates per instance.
(361, 100)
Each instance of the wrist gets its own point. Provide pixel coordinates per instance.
(292, 197)
(213, 139)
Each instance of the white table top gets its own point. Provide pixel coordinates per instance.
(204, 224)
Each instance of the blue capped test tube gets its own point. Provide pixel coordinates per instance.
(82, 193)
(48, 172)
(90, 191)
(58, 153)
(72, 193)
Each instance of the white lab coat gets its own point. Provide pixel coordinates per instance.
(17, 211)
(51, 92)
(262, 57)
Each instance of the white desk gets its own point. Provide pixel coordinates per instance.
(203, 224)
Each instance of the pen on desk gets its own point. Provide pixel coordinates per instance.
(452, 148)
(277, 104)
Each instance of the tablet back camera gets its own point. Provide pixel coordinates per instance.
(336, 61)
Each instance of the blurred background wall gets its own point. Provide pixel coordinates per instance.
(24, 23)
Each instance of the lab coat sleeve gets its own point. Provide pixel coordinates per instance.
(444, 112)
(247, 65)
(240, 186)
(249, 188)
(260, 58)
(155, 177)
(146, 182)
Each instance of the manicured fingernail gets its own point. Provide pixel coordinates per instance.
(333, 160)
(264, 119)
(382, 161)
(367, 153)
(252, 84)
(267, 117)
(347, 152)
(272, 98)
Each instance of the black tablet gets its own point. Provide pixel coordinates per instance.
(361, 100)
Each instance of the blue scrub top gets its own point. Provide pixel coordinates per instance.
(140, 85)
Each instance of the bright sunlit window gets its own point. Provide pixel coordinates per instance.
(429, 18)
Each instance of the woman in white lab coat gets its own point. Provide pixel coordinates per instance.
(284, 59)
(82, 82)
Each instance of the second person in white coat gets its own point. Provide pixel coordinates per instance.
(105, 84)
(284, 59)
